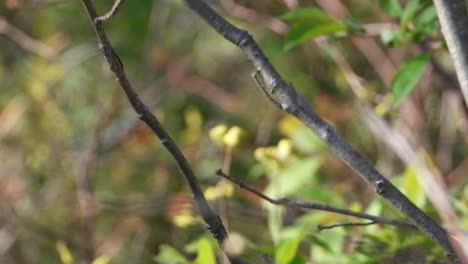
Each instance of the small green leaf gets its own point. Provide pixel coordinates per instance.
(295, 177)
(391, 7)
(205, 253)
(409, 12)
(391, 37)
(309, 23)
(316, 241)
(287, 250)
(407, 76)
(169, 255)
(428, 16)
(306, 142)
(309, 15)
(303, 32)
(411, 187)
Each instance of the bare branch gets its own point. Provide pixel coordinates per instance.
(298, 106)
(453, 19)
(324, 227)
(111, 13)
(213, 222)
(261, 86)
(315, 206)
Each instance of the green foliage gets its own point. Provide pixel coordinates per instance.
(407, 77)
(308, 24)
(391, 7)
(287, 250)
(205, 253)
(412, 188)
(418, 22)
(169, 255)
(66, 129)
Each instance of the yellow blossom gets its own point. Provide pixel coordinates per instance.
(64, 253)
(217, 133)
(284, 149)
(232, 136)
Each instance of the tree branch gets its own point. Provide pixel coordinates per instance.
(315, 206)
(453, 19)
(213, 222)
(297, 106)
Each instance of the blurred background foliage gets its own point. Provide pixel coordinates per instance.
(83, 180)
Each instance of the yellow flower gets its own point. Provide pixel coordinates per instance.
(217, 133)
(232, 136)
(65, 255)
(184, 219)
(260, 154)
(283, 150)
(221, 189)
(212, 193)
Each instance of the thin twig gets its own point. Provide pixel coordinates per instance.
(111, 13)
(213, 222)
(315, 206)
(261, 86)
(297, 105)
(324, 227)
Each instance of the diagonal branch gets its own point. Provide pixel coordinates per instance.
(213, 222)
(316, 206)
(453, 19)
(296, 105)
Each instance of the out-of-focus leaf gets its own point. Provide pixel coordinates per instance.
(302, 32)
(408, 13)
(306, 141)
(407, 76)
(390, 37)
(391, 7)
(298, 175)
(332, 253)
(316, 241)
(324, 195)
(309, 15)
(205, 253)
(169, 255)
(287, 250)
(429, 15)
(411, 187)
(297, 260)
(427, 22)
(309, 23)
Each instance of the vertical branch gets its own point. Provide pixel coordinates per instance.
(213, 222)
(453, 19)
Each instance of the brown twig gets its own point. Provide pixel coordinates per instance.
(315, 206)
(324, 227)
(213, 222)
